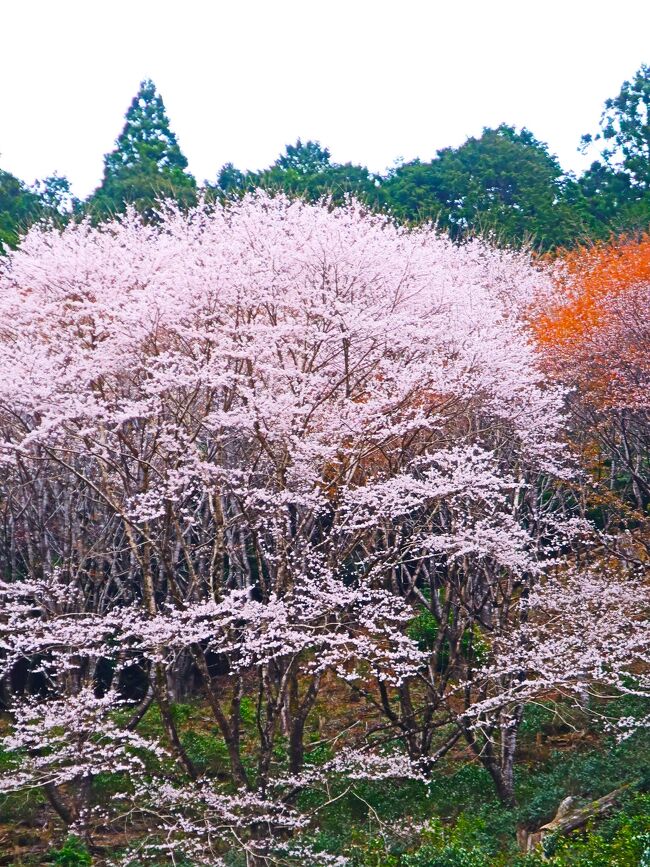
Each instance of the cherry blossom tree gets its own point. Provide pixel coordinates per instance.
(244, 450)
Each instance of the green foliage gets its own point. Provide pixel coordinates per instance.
(319, 754)
(586, 775)
(625, 129)
(368, 850)
(614, 206)
(621, 841)
(73, 853)
(305, 159)
(105, 786)
(469, 842)
(147, 164)
(536, 718)
(504, 184)
(151, 724)
(424, 629)
(207, 751)
(21, 806)
(467, 826)
(453, 821)
(181, 713)
(486, 838)
(231, 183)
(350, 817)
(304, 171)
(617, 185)
(467, 787)
(17, 806)
(247, 711)
(57, 201)
(20, 207)
(449, 856)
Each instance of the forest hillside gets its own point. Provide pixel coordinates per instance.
(325, 507)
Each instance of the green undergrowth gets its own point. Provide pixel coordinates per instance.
(457, 821)
(453, 820)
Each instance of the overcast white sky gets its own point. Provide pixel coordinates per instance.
(373, 81)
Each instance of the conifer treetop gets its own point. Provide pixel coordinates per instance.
(146, 165)
(146, 136)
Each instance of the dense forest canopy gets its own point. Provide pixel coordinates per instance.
(504, 184)
(325, 507)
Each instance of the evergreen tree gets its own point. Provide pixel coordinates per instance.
(147, 164)
(57, 201)
(504, 184)
(19, 208)
(303, 171)
(617, 184)
(625, 130)
(307, 158)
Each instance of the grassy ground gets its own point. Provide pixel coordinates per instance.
(454, 821)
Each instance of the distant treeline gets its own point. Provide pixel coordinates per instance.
(504, 184)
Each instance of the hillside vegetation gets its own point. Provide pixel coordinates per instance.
(324, 517)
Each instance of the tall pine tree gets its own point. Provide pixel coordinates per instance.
(147, 164)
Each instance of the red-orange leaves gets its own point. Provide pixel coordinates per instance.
(596, 330)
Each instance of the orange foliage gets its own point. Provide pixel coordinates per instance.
(596, 331)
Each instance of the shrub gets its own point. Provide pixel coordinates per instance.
(73, 853)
